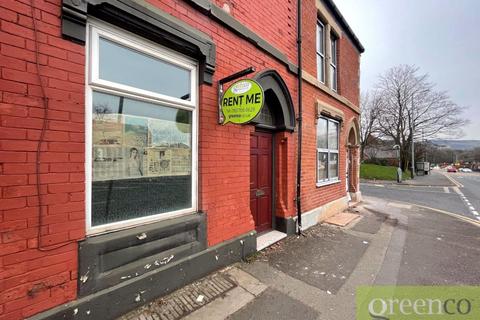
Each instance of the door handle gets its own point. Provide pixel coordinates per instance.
(259, 193)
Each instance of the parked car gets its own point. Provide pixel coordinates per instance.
(451, 169)
(465, 170)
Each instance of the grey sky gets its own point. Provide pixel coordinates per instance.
(442, 37)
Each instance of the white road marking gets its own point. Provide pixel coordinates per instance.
(400, 205)
(379, 185)
(467, 202)
(455, 182)
(446, 189)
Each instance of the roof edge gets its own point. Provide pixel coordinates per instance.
(338, 15)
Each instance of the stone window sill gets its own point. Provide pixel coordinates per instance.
(327, 183)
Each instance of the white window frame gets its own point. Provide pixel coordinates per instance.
(333, 62)
(320, 54)
(329, 180)
(95, 29)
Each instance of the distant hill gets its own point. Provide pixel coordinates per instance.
(457, 144)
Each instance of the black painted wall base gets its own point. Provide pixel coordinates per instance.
(117, 300)
(286, 225)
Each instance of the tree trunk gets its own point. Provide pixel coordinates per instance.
(404, 158)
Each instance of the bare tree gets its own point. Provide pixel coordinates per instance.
(472, 155)
(371, 106)
(410, 100)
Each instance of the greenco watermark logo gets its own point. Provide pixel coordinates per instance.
(242, 101)
(418, 302)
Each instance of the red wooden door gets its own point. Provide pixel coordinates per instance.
(261, 180)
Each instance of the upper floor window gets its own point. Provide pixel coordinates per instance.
(327, 52)
(141, 131)
(327, 150)
(333, 62)
(320, 52)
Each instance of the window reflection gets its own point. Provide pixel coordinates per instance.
(322, 141)
(142, 158)
(327, 150)
(129, 67)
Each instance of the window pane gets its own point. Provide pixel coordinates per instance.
(333, 165)
(129, 67)
(142, 159)
(320, 38)
(333, 77)
(322, 163)
(320, 68)
(332, 135)
(333, 43)
(322, 133)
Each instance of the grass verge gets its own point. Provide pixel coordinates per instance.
(377, 172)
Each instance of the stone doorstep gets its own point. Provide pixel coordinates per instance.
(268, 238)
(342, 219)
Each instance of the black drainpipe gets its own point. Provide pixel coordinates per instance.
(299, 119)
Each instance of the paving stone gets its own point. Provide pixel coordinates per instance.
(273, 304)
(184, 301)
(325, 265)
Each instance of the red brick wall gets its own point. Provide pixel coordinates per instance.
(309, 37)
(285, 173)
(348, 56)
(224, 151)
(348, 70)
(313, 196)
(273, 20)
(348, 86)
(33, 280)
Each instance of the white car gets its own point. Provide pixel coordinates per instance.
(465, 170)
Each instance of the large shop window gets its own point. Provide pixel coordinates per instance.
(327, 151)
(141, 131)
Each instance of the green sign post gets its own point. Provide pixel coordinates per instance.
(242, 101)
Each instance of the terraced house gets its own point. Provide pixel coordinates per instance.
(120, 183)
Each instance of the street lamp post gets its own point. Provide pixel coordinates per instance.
(399, 169)
(412, 129)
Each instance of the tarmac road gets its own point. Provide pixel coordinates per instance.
(471, 188)
(459, 200)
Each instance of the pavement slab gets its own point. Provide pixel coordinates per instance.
(273, 304)
(434, 178)
(323, 257)
(342, 219)
(370, 223)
